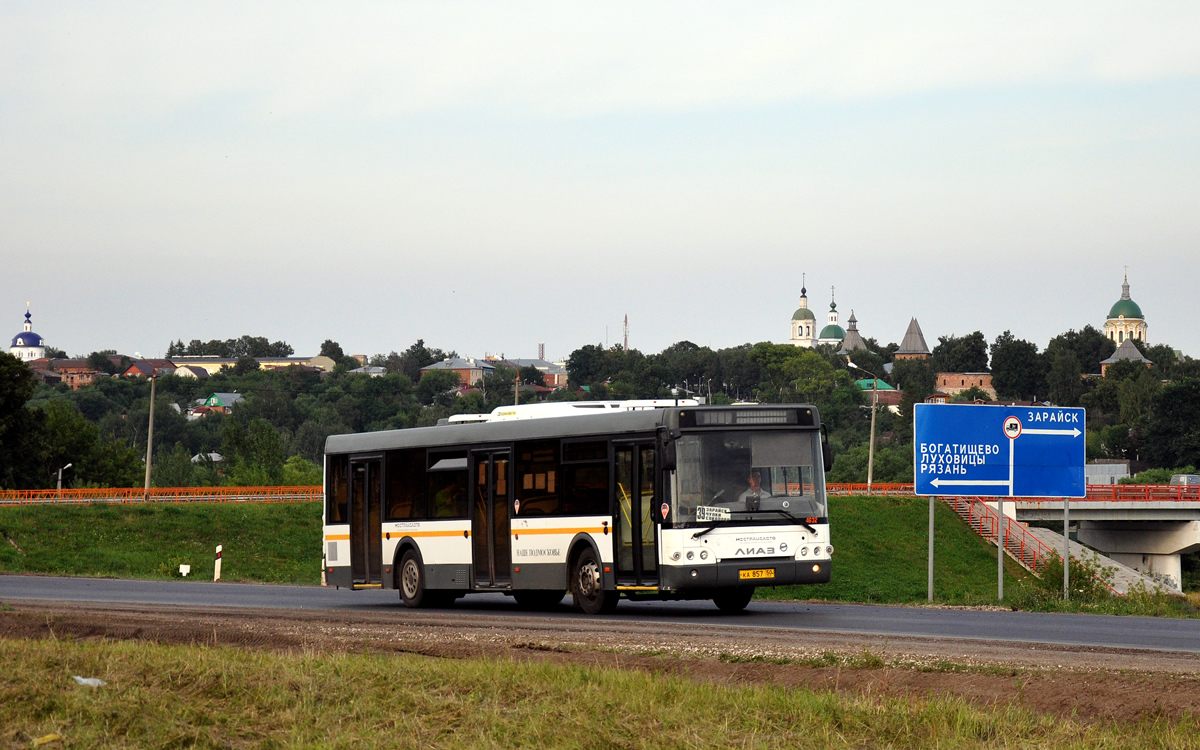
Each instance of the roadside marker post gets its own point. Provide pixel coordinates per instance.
(1001, 452)
(217, 565)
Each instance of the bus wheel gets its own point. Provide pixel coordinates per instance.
(538, 599)
(734, 601)
(587, 586)
(412, 582)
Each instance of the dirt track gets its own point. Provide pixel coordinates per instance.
(1093, 684)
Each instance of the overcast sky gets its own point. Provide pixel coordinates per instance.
(487, 176)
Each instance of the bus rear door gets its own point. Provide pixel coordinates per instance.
(491, 548)
(366, 544)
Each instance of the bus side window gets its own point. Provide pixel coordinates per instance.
(405, 498)
(337, 489)
(586, 489)
(537, 479)
(447, 491)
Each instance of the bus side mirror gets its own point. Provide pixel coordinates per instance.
(666, 450)
(826, 451)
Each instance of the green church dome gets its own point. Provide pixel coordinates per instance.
(1127, 308)
(803, 313)
(833, 332)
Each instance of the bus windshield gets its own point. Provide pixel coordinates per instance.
(747, 476)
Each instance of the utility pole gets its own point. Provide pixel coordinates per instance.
(150, 432)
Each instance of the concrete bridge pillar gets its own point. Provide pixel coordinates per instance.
(1149, 547)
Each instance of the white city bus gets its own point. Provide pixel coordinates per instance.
(637, 499)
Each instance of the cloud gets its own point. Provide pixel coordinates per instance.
(567, 60)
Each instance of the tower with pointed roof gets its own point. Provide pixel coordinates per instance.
(804, 323)
(27, 345)
(1125, 319)
(853, 341)
(832, 333)
(913, 345)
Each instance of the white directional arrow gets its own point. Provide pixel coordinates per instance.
(970, 482)
(1073, 432)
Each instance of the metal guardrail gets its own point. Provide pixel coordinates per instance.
(122, 495)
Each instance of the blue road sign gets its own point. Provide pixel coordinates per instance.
(999, 451)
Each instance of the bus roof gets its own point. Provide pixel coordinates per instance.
(604, 422)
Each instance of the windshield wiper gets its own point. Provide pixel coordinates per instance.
(699, 534)
(783, 512)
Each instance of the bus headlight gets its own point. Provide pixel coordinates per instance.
(804, 551)
(675, 555)
(829, 550)
(816, 550)
(703, 554)
(691, 554)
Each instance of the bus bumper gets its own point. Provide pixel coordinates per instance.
(684, 578)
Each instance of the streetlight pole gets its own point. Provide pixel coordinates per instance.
(150, 433)
(60, 471)
(874, 407)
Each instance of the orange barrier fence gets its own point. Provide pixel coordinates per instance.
(161, 495)
(1095, 492)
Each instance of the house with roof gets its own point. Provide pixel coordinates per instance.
(1126, 352)
(145, 368)
(554, 374)
(220, 403)
(469, 370)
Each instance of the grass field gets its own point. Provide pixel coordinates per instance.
(880, 548)
(176, 696)
(267, 542)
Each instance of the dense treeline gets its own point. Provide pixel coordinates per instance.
(277, 433)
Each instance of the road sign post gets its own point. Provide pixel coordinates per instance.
(1001, 452)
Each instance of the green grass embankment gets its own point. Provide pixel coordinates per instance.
(881, 551)
(266, 542)
(880, 546)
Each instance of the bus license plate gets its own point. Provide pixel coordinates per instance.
(757, 573)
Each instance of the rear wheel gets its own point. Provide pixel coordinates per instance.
(411, 582)
(733, 601)
(587, 585)
(538, 599)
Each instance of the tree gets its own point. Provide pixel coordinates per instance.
(438, 387)
(961, 354)
(1065, 379)
(55, 353)
(333, 350)
(1018, 371)
(245, 365)
(1173, 431)
(531, 375)
(254, 453)
(1089, 346)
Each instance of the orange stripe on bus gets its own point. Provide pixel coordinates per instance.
(558, 531)
(336, 537)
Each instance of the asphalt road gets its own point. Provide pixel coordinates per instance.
(1154, 634)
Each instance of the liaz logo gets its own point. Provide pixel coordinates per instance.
(752, 551)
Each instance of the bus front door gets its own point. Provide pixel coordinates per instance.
(490, 550)
(366, 545)
(636, 503)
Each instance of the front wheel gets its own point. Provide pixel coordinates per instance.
(587, 585)
(735, 600)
